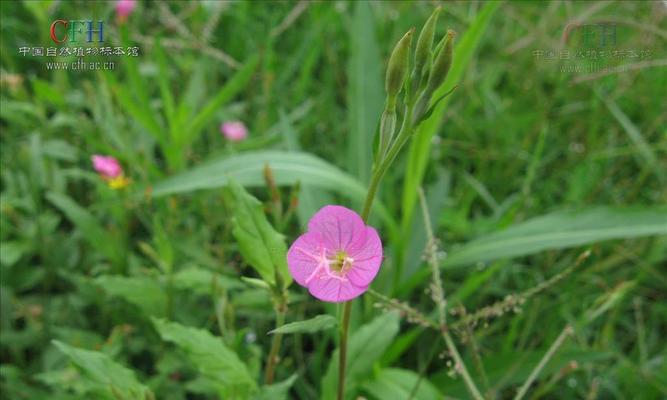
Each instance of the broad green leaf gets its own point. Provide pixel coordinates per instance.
(260, 245)
(558, 230)
(288, 168)
(365, 91)
(319, 323)
(108, 376)
(420, 146)
(365, 346)
(89, 226)
(394, 383)
(144, 292)
(277, 391)
(208, 354)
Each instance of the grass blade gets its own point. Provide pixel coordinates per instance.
(288, 168)
(365, 92)
(558, 230)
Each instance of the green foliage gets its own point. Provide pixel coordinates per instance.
(210, 356)
(144, 292)
(417, 158)
(261, 246)
(366, 346)
(400, 383)
(525, 165)
(104, 378)
(316, 324)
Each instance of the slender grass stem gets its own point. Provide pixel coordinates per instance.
(460, 366)
(549, 354)
(439, 299)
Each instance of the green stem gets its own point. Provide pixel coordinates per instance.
(342, 355)
(378, 173)
(385, 163)
(275, 346)
(460, 367)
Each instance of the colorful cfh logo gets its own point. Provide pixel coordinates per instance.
(600, 35)
(71, 31)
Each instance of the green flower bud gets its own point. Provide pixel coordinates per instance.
(424, 43)
(387, 127)
(398, 68)
(442, 62)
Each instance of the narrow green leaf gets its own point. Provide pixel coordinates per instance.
(319, 323)
(558, 230)
(104, 374)
(260, 245)
(288, 168)
(247, 168)
(207, 353)
(561, 230)
(365, 346)
(635, 135)
(163, 83)
(394, 383)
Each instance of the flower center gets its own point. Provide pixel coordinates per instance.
(340, 264)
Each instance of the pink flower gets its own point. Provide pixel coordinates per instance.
(338, 257)
(107, 166)
(234, 131)
(124, 8)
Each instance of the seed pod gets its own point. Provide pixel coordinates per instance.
(398, 68)
(387, 126)
(424, 43)
(443, 60)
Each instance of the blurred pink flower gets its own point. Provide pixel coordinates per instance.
(124, 8)
(107, 166)
(338, 257)
(234, 131)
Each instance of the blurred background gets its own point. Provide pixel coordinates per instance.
(545, 176)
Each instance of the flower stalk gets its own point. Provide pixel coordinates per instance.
(399, 80)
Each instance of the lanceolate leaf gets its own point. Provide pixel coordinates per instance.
(288, 168)
(260, 245)
(319, 323)
(558, 230)
(365, 91)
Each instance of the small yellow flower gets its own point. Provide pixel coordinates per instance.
(118, 182)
